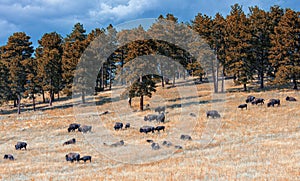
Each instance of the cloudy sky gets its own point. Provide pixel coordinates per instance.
(37, 17)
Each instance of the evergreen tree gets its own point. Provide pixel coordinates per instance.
(15, 53)
(73, 48)
(285, 50)
(49, 58)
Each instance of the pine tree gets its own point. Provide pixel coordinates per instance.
(49, 58)
(15, 53)
(5, 92)
(260, 41)
(238, 46)
(73, 48)
(285, 50)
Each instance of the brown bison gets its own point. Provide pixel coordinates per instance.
(272, 102)
(213, 114)
(290, 98)
(73, 127)
(185, 137)
(242, 106)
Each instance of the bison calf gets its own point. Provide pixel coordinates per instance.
(20, 145)
(242, 106)
(72, 141)
(72, 157)
(85, 158)
(127, 125)
(8, 156)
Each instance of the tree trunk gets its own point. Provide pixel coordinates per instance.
(142, 103)
(83, 97)
(295, 82)
(261, 80)
(110, 77)
(223, 81)
(33, 102)
(50, 97)
(173, 80)
(19, 104)
(245, 87)
(15, 103)
(102, 77)
(43, 94)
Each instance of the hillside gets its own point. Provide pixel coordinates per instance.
(259, 143)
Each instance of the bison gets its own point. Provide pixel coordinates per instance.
(85, 158)
(72, 141)
(127, 125)
(167, 143)
(73, 127)
(155, 146)
(118, 126)
(242, 106)
(161, 118)
(158, 128)
(250, 99)
(257, 101)
(272, 102)
(149, 141)
(147, 129)
(290, 98)
(73, 157)
(160, 109)
(150, 117)
(178, 147)
(20, 145)
(9, 156)
(85, 129)
(213, 114)
(185, 137)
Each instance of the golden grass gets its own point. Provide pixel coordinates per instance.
(256, 144)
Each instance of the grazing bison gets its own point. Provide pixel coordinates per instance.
(73, 157)
(185, 137)
(85, 158)
(85, 129)
(147, 129)
(150, 117)
(9, 156)
(149, 141)
(272, 102)
(155, 146)
(213, 114)
(73, 127)
(160, 109)
(167, 143)
(250, 99)
(20, 145)
(127, 125)
(158, 128)
(118, 126)
(258, 100)
(290, 98)
(161, 118)
(242, 106)
(72, 141)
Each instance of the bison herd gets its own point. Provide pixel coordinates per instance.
(160, 118)
(272, 102)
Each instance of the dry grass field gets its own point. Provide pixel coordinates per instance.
(260, 143)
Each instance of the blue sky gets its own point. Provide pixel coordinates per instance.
(37, 17)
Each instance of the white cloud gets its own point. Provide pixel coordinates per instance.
(131, 8)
